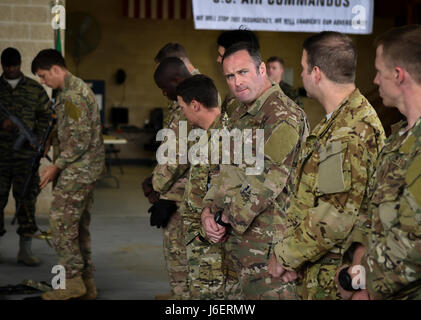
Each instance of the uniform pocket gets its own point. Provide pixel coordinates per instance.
(319, 282)
(332, 178)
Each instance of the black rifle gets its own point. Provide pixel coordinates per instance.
(26, 134)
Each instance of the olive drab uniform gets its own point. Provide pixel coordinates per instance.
(210, 276)
(393, 247)
(249, 200)
(331, 182)
(79, 154)
(30, 103)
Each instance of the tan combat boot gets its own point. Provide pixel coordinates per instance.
(91, 291)
(25, 254)
(165, 296)
(75, 288)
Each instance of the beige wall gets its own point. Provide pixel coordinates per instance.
(26, 25)
(131, 44)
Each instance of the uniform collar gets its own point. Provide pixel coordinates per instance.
(344, 105)
(215, 124)
(67, 81)
(21, 82)
(257, 105)
(404, 140)
(173, 105)
(347, 102)
(398, 126)
(417, 127)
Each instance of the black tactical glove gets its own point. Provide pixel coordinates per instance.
(161, 212)
(148, 190)
(147, 186)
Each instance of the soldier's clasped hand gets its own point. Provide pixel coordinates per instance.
(214, 232)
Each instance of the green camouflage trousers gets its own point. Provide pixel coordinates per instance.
(13, 173)
(211, 276)
(319, 282)
(250, 259)
(175, 256)
(69, 222)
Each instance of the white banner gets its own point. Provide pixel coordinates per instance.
(346, 16)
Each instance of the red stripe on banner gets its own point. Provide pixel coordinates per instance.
(137, 9)
(125, 8)
(160, 6)
(183, 9)
(171, 7)
(148, 9)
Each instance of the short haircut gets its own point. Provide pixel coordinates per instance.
(402, 47)
(10, 57)
(169, 68)
(171, 50)
(334, 53)
(46, 59)
(200, 88)
(252, 51)
(228, 38)
(276, 59)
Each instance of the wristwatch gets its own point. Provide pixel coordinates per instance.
(345, 280)
(218, 219)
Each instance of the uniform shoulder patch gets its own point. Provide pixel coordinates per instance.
(72, 110)
(281, 142)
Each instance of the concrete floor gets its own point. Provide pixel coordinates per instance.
(127, 252)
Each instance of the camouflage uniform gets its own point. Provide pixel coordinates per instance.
(229, 105)
(211, 275)
(170, 180)
(80, 157)
(335, 164)
(290, 92)
(393, 252)
(249, 200)
(30, 103)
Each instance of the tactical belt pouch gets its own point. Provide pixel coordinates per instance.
(331, 175)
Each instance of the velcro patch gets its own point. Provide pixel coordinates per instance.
(281, 142)
(72, 110)
(413, 180)
(407, 146)
(331, 176)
